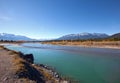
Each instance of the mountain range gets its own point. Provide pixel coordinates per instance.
(83, 36)
(6, 36)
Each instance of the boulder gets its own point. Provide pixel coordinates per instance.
(29, 58)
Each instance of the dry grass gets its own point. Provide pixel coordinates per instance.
(71, 80)
(46, 74)
(2, 47)
(12, 52)
(18, 63)
(86, 43)
(26, 80)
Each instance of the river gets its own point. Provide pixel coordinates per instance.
(88, 65)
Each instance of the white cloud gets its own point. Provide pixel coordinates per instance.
(5, 18)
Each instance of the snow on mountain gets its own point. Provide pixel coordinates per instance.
(5, 36)
(83, 36)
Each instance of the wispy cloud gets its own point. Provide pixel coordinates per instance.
(5, 18)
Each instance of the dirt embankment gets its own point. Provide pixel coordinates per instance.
(15, 67)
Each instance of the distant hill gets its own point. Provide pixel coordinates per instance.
(117, 35)
(114, 37)
(6, 36)
(83, 36)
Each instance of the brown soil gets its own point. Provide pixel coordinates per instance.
(6, 73)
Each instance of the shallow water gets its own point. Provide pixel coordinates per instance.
(88, 65)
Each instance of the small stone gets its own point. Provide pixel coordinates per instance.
(6, 78)
(33, 64)
(64, 82)
(57, 76)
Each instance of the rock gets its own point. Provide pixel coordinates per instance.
(57, 76)
(41, 65)
(5, 78)
(64, 82)
(29, 58)
(21, 54)
(33, 64)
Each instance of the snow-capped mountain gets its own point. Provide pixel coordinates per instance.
(83, 36)
(5, 36)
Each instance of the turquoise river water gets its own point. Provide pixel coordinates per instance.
(88, 65)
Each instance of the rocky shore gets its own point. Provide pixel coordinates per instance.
(22, 69)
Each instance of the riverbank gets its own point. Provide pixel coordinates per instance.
(99, 44)
(16, 67)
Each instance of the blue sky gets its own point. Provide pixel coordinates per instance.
(44, 19)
